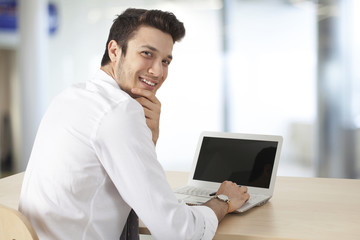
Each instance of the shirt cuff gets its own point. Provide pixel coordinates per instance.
(210, 222)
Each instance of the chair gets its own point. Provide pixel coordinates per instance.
(15, 226)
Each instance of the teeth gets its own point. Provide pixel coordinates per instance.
(147, 82)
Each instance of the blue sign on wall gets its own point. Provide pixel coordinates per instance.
(9, 16)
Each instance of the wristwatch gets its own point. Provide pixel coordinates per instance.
(224, 198)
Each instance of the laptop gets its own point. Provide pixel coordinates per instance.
(249, 160)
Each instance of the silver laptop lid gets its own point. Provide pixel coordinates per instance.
(246, 159)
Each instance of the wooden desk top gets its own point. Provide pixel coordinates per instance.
(301, 208)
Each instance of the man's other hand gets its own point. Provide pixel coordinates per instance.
(237, 196)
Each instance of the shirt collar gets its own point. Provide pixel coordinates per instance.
(101, 76)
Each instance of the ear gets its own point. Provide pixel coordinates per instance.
(114, 50)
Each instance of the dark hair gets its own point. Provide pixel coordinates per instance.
(125, 25)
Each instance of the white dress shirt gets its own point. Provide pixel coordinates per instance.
(93, 160)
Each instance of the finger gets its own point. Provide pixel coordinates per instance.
(151, 110)
(144, 102)
(151, 114)
(244, 189)
(149, 105)
(247, 197)
(151, 124)
(145, 93)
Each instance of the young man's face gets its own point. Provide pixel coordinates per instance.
(145, 65)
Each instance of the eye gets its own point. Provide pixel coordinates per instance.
(166, 62)
(146, 53)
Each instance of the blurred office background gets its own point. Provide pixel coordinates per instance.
(284, 67)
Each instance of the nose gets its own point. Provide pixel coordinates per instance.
(156, 69)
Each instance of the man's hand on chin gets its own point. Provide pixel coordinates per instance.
(152, 109)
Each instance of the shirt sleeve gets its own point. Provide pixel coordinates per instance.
(124, 145)
(210, 222)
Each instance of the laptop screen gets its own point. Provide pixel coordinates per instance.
(245, 162)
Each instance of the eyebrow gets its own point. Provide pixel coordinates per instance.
(155, 50)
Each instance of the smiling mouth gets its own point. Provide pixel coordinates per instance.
(147, 82)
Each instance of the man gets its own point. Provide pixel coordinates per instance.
(94, 157)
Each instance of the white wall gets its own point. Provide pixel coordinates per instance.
(273, 75)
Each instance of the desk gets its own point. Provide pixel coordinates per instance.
(302, 208)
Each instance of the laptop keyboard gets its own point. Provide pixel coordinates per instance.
(189, 190)
(194, 196)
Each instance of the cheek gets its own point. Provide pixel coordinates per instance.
(139, 63)
(126, 70)
(165, 73)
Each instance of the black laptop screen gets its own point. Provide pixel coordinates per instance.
(245, 162)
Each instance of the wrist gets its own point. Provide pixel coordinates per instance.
(219, 207)
(225, 199)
